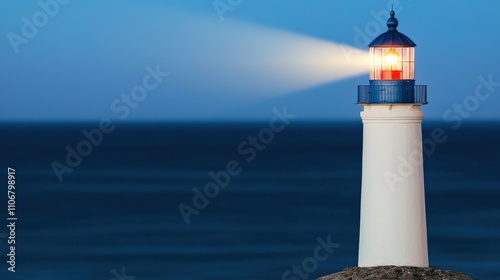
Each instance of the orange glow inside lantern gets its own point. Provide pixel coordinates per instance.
(391, 71)
(392, 63)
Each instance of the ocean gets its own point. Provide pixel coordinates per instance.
(116, 212)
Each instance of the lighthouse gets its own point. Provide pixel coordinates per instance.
(392, 223)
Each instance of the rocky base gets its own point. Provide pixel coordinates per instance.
(396, 273)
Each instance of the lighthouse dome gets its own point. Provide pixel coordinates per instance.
(392, 37)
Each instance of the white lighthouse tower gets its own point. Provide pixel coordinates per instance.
(393, 224)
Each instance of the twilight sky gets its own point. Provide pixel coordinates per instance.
(73, 60)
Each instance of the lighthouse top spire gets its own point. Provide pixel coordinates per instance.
(392, 38)
(392, 22)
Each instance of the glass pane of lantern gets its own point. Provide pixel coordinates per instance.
(406, 54)
(406, 57)
(372, 64)
(378, 62)
(405, 70)
(412, 71)
(413, 62)
(400, 59)
(376, 58)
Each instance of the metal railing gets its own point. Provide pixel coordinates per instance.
(392, 94)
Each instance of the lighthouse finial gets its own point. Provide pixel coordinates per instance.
(392, 22)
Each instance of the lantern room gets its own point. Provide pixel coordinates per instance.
(392, 63)
(392, 70)
(392, 55)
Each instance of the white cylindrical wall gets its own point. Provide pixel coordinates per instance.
(393, 224)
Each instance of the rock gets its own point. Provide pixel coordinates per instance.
(396, 273)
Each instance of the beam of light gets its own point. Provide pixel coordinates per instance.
(244, 61)
(214, 66)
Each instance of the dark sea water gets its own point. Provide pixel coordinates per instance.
(119, 208)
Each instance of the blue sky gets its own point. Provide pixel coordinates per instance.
(84, 56)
